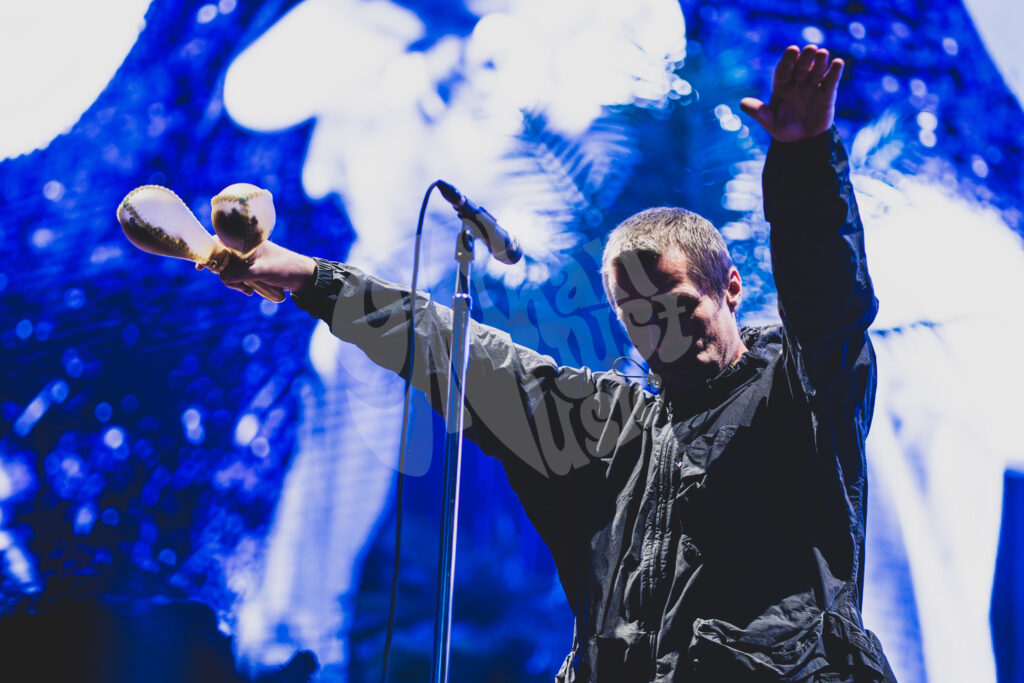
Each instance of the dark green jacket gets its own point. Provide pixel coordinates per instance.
(717, 541)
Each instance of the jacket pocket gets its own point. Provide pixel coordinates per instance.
(625, 655)
(696, 457)
(853, 653)
(691, 478)
(831, 646)
(721, 651)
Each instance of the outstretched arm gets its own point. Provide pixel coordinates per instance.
(550, 426)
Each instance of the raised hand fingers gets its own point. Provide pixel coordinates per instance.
(804, 63)
(809, 65)
(819, 66)
(803, 98)
(784, 69)
(831, 79)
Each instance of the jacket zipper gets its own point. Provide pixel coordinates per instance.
(661, 495)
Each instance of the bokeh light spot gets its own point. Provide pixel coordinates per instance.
(110, 517)
(84, 520)
(251, 343)
(43, 330)
(72, 363)
(191, 418)
(260, 447)
(74, 298)
(53, 190)
(59, 390)
(268, 308)
(23, 329)
(6, 485)
(113, 438)
(206, 14)
(246, 429)
(196, 435)
(103, 413)
(43, 237)
(979, 166)
(813, 34)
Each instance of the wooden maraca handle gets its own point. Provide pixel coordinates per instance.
(155, 220)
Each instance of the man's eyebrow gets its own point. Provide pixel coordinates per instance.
(687, 295)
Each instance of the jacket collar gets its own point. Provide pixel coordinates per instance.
(762, 344)
(758, 341)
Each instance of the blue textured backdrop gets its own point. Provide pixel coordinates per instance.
(148, 416)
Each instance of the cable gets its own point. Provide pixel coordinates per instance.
(653, 384)
(405, 430)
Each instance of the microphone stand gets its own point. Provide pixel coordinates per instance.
(458, 363)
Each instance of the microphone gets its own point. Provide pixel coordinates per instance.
(499, 242)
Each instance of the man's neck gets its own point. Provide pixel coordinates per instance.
(684, 389)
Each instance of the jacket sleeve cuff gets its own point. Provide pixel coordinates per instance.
(320, 298)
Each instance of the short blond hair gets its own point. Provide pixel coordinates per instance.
(659, 230)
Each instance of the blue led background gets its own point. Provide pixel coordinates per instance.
(164, 438)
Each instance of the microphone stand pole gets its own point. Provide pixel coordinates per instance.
(458, 363)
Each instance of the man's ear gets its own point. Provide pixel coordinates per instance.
(734, 290)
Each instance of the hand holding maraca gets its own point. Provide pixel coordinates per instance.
(269, 265)
(156, 220)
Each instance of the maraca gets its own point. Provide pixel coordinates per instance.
(155, 219)
(243, 216)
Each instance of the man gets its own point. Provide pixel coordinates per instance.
(715, 531)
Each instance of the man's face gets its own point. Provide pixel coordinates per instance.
(683, 333)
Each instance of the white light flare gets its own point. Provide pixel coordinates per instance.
(58, 56)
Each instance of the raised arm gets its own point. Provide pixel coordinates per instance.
(825, 295)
